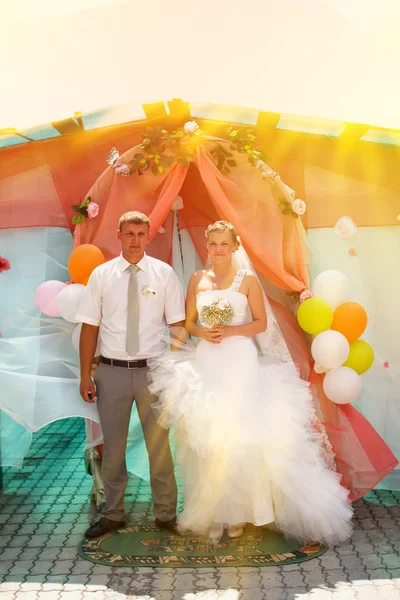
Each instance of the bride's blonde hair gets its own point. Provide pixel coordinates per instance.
(221, 226)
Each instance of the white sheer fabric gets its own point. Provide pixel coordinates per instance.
(15, 441)
(271, 342)
(39, 369)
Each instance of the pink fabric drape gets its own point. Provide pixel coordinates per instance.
(76, 160)
(275, 242)
(21, 193)
(39, 182)
(362, 457)
(116, 194)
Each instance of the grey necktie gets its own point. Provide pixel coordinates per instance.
(132, 332)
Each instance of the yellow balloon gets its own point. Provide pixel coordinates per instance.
(361, 357)
(314, 316)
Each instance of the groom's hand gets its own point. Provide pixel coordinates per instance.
(87, 390)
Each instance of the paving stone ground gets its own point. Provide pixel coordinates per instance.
(45, 509)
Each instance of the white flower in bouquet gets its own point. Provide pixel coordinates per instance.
(219, 312)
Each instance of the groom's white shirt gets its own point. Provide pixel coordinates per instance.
(104, 304)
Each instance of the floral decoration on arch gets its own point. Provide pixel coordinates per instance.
(160, 149)
(87, 210)
(296, 208)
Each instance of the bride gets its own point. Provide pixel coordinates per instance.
(243, 423)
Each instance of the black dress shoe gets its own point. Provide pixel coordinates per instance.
(171, 525)
(102, 527)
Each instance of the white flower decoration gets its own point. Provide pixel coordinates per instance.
(267, 173)
(113, 161)
(190, 127)
(398, 218)
(147, 291)
(305, 295)
(122, 170)
(345, 228)
(260, 164)
(113, 158)
(177, 203)
(299, 207)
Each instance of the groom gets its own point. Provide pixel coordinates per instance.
(130, 299)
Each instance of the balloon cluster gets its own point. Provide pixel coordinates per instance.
(337, 325)
(58, 299)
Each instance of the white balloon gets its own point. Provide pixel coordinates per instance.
(331, 286)
(330, 349)
(342, 385)
(68, 300)
(76, 336)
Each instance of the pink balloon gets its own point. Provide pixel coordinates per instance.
(45, 297)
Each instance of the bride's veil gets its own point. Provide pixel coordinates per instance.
(271, 342)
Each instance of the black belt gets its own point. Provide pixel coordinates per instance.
(128, 364)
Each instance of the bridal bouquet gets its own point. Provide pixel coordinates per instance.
(219, 312)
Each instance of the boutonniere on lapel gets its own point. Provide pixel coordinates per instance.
(148, 291)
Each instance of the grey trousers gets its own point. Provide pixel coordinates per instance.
(116, 389)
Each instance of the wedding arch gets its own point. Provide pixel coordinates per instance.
(184, 180)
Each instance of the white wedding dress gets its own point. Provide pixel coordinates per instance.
(246, 443)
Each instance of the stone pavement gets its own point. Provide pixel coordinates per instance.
(44, 511)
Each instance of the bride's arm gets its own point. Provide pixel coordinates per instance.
(191, 312)
(257, 307)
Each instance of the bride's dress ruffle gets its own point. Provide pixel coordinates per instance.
(247, 442)
(247, 447)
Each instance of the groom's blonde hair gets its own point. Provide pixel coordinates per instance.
(135, 217)
(221, 226)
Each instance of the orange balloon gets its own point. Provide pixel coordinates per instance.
(350, 319)
(82, 261)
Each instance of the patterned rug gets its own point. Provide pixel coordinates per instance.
(146, 545)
